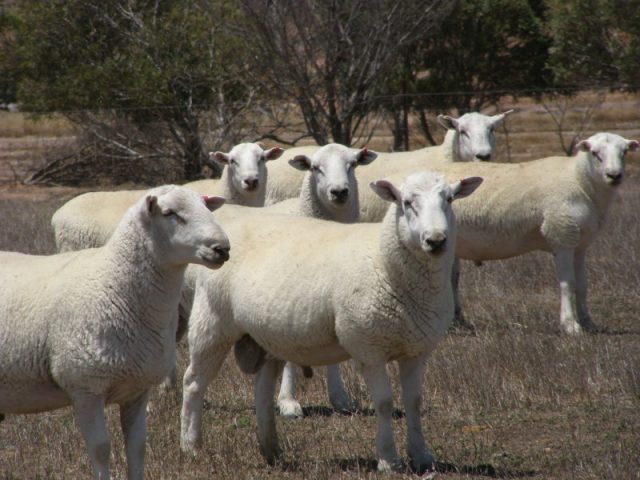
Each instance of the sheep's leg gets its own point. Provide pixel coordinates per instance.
(380, 389)
(584, 317)
(459, 320)
(265, 385)
(287, 404)
(411, 374)
(565, 270)
(134, 428)
(88, 411)
(203, 368)
(338, 395)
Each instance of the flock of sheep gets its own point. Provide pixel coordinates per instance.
(327, 269)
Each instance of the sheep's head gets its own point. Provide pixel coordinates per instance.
(607, 152)
(476, 137)
(246, 164)
(423, 204)
(181, 228)
(333, 172)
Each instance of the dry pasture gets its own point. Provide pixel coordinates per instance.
(516, 400)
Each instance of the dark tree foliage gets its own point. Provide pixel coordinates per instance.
(137, 73)
(483, 51)
(596, 43)
(328, 55)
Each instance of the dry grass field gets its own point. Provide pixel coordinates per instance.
(517, 399)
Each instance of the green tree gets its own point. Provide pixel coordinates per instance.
(137, 74)
(484, 50)
(595, 42)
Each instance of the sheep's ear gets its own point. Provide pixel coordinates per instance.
(386, 191)
(213, 203)
(300, 162)
(465, 187)
(501, 116)
(273, 153)
(448, 122)
(151, 204)
(584, 145)
(366, 156)
(633, 145)
(220, 157)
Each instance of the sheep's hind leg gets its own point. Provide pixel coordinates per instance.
(338, 395)
(202, 369)
(265, 385)
(459, 320)
(380, 388)
(565, 270)
(288, 406)
(134, 428)
(584, 317)
(411, 374)
(88, 411)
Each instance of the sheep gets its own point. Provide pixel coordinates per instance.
(555, 204)
(469, 138)
(87, 220)
(97, 326)
(316, 293)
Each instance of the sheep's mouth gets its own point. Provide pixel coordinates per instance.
(214, 257)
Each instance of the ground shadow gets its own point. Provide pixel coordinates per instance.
(324, 411)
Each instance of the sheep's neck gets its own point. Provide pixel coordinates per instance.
(422, 282)
(311, 206)
(451, 146)
(146, 285)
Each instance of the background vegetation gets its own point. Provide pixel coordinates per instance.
(151, 85)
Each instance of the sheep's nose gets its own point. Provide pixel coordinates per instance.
(340, 195)
(614, 177)
(222, 252)
(483, 157)
(436, 241)
(250, 183)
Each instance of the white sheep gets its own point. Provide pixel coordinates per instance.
(316, 293)
(97, 326)
(469, 138)
(555, 204)
(87, 220)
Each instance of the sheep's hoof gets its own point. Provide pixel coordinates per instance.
(386, 466)
(290, 409)
(590, 327)
(571, 328)
(423, 465)
(271, 454)
(344, 404)
(462, 325)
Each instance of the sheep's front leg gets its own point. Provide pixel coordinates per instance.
(204, 366)
(338, 395)
(380, 389)
(411, 374)
(88, 411)
(265, 386)
(287, 404)
(134, 429)
(565, 270)
(584, 317)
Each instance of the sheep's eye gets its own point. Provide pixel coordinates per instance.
(316, 169)
(170, 213)
(464, 132)
(449, 199)
(595, 154)
(233, 162)
(408, 204)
